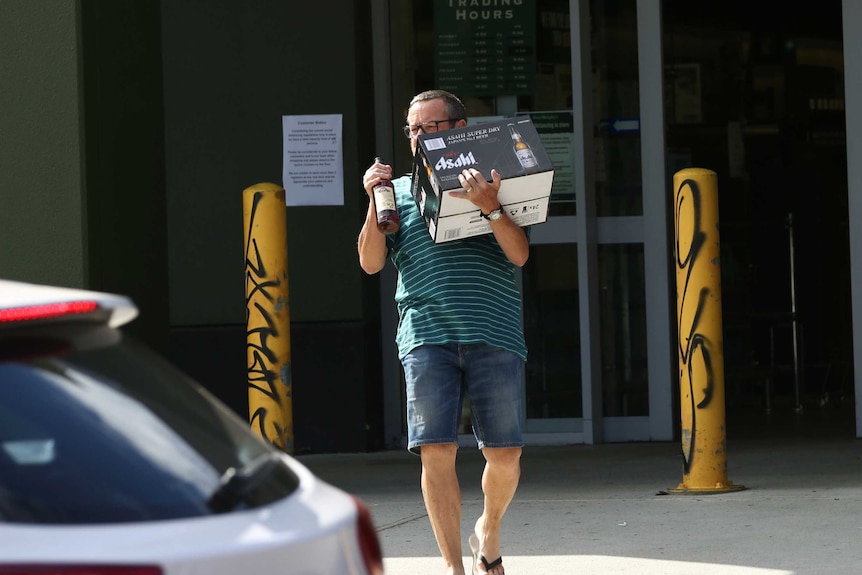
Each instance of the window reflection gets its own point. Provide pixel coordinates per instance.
(623, 330)
(616, 97)
(552, 330)
(547, 54)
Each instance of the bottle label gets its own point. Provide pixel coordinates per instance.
(527, 159)
(384, 198)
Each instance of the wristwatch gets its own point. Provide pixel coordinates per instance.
(493, 215)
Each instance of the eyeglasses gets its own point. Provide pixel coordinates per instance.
(427, 128)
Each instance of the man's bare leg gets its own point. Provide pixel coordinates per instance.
(499, 482)
(443, 502)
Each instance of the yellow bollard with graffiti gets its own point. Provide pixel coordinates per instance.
(270, 387)
(701, 345)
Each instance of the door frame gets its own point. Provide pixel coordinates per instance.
(585, 230)
(652, 230)
(851, 14)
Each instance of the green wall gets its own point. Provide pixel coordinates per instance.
(124, 157)
(42, 236)
(131, 127)
(128, 131)
(231, 71)
(81, 152)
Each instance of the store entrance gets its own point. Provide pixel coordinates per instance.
(757, 96)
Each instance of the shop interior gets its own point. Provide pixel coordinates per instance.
(752, 93)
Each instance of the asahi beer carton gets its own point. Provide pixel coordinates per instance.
(511, 146)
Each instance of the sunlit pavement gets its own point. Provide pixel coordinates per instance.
(581, 564)
(605, 510)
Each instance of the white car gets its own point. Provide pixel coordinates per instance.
(112, 462)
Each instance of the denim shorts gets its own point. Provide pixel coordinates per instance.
(439, 376)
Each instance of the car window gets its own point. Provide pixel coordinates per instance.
(116, 434)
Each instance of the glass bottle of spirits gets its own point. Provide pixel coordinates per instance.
(522, 150)
(388, 220)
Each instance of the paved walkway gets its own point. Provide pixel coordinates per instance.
(604, 510)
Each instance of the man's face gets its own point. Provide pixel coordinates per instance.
(426, 111)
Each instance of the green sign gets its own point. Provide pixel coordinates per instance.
(485, 47)
(557, 131)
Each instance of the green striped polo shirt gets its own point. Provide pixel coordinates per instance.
(462, 291)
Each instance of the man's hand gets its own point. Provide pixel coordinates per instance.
(371, 244)
(479, 191)
(373, 175)
(483, 194)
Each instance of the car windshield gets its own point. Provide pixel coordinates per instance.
(116, 434)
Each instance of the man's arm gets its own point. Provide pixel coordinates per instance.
(512, 239)
(372, 243)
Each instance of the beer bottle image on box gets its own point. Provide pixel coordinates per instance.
(522, 150)
(388, 220)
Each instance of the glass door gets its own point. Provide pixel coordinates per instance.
(758, 97)
(604, 266)
(595, 320)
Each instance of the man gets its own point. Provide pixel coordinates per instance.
(459, 333)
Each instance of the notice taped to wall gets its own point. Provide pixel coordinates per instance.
(312, 168)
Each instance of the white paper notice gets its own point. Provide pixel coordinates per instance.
(312, 169)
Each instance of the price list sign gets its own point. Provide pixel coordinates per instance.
(485, 47)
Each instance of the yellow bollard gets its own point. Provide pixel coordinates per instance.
(270, 388)
(701, 345)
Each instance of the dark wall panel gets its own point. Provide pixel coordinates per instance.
(332, 410)
(124, 181)
(232, 69)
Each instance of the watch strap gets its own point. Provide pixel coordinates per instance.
(493, 215)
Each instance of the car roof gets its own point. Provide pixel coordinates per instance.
(15, 294)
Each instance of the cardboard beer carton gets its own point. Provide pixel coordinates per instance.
(511, 146)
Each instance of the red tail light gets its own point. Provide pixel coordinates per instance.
(77, 570)
(369, 544)
(33, 312)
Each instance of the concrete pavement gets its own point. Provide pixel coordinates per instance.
(604, 509)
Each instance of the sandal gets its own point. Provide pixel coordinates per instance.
(474, 547)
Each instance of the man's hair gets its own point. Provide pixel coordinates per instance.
(454, 107)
